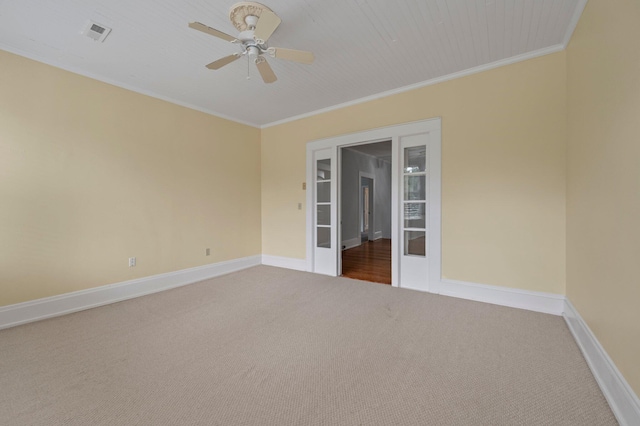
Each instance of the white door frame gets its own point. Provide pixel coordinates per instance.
(393, 133)
(372, 192)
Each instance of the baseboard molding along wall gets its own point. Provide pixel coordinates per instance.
(49, 307)
(353, 242)
(285, 262)
(623, 401)
(621, 398)
(547, 303)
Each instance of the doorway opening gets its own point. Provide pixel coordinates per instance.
(365, 211)
(415, 203)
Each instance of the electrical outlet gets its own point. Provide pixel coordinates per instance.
(299, 206)
(207, 252)
(132, 262)
(304, 186)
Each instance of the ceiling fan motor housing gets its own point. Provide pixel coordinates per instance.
(239, 13)
(256, 23)
(251, 21)
(252, 48)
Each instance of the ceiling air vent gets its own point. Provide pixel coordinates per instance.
(95, 31)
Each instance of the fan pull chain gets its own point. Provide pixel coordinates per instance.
(248, 67)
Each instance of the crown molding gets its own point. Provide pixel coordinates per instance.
(574, 22)
(76, 70)
(496, 64)
(481, 68)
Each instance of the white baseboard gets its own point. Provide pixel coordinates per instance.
(285, 262)
(547, 303)
(377, 235)
(623, 401)
(353, 242)
(48, 307)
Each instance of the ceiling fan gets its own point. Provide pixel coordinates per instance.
(256, 23)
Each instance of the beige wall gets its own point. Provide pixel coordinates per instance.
(503, 191)
(603, 191)
(91, 174)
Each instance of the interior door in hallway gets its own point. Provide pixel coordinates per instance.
(366, 208)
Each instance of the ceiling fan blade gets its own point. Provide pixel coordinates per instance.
(294, 55)
(266, 25)
(211, 31)
(265, 70)
(216, 65)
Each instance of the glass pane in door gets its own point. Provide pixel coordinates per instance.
(415, 159)
(414, 243)
(324, 214)
(414, 180)
(324, 169)
(324, 192)
(414, 187)
(415, 215)
(324, 237)
(323, 203)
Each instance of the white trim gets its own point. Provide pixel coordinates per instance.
(371, 231)
(623, 401)
(353, 242)
(309, 227)
(76, 70)
(377, 235)
(435, 208)
(48, 307)
(339, 207)
(395, 211)
(573, 23)
(463, 73)
(481, 68)
(325, 260)
(284, 262)
(393, 133)
(547, 303)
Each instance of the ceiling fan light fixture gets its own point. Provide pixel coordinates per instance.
(253, 51)
(256, 23)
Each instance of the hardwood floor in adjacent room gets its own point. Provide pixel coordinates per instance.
(370, 261)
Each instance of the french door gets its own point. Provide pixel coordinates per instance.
(324, 212)
(415, 210)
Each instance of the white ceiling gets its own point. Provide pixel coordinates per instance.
(363, 48)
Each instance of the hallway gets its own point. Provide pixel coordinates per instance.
(371, 261)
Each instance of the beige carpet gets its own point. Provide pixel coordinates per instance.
(268, 346)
